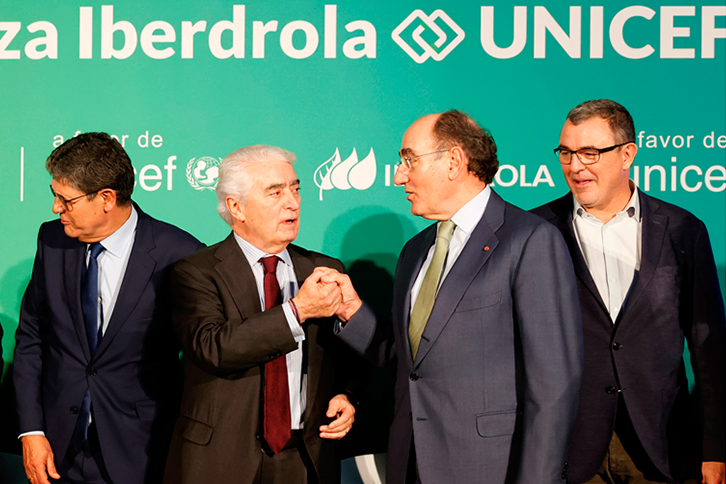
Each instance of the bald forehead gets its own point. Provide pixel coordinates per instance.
(418, 134)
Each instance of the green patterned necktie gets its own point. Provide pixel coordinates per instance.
(427, 294)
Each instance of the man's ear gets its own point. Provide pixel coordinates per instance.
(108, 196)
(458, 162)
(235, 208)
(629, 152)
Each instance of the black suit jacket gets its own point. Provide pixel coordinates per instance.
(675, 294)
(226, 338)
(133, 377)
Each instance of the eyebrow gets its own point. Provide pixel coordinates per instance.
(277, 186)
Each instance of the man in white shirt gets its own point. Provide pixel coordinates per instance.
(268, 387)
(646, 281)
(96, 359)
(486, 333)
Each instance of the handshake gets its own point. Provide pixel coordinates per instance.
(327, 292)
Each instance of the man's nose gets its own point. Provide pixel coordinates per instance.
(400, 177)
(57, 206)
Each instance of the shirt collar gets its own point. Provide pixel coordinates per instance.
(468, 216)
(253, 254)
(632, 208)
(119, 240)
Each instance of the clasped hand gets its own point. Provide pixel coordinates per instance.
(327, 292)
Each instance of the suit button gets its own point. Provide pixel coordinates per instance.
(413, 377)
(74, 410)
(257, 436)
(617, 346)
(276, 354)
(610, 390)
(92, 372)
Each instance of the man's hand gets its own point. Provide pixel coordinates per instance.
(713, 472)
(341, 408)
(317, 299)
(38, 458)
(351, 303)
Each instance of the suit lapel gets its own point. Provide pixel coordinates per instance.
(136, 278)
(72, 268)
(562, 219)
(654, 229)
(237, 276)
(467, 266)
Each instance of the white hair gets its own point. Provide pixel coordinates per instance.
(235, 182)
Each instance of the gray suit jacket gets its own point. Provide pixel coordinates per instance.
(492, 395)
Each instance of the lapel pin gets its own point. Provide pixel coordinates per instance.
(486, 247)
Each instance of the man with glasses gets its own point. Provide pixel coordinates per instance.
(486, 334)
(96, 360)
(646, 279)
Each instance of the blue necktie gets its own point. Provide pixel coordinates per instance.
(89, 298)
(90, 304)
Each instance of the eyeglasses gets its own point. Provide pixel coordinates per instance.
(587, 156)
(68, 204)
(408, 159)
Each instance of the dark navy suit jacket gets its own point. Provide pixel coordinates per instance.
(492, 394)
(674, 295)
(134, 375)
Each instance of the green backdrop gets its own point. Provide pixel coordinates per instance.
(184, 83)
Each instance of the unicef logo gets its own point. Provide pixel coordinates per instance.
(346, 174)
(202, 173)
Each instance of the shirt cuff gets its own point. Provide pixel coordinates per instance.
(34, 432)
(297, 331)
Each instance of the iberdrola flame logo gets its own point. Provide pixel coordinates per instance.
(346, 174)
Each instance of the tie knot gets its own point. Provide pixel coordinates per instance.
(270, 264)
(96, 249)
(446, 230)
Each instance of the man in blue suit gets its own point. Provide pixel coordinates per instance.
(96, 359)
(486, 334)
(647, 282)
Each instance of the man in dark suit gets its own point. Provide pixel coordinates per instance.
(646, 278)
(486, 331)
(253, 318)
(96, 359)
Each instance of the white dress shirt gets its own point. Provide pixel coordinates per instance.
(611, 250)
(297, 381)
(466, 220)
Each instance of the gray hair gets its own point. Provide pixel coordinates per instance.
(235, 182)
(618, 118)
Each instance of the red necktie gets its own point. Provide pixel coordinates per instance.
(276, 412)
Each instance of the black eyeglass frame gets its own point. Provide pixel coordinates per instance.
(558, 152)
(68, 204)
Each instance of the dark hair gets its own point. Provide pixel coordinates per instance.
(91, 162)
(454, 128)
(618, 118)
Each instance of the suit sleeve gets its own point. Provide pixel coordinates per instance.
(31, 340)
(216, 338)
(705, 339)
(549, 325)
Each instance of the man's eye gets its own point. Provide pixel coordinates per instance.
(589, 154)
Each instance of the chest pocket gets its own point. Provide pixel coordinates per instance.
(479, 302)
